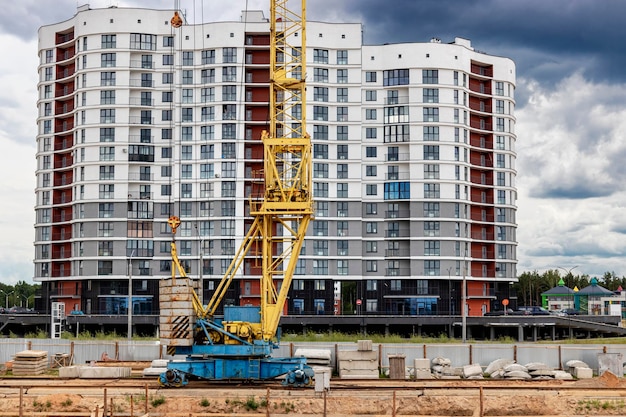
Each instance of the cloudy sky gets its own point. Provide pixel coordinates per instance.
(571, 110)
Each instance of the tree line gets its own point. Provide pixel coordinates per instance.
(21, 294)
(530, 285)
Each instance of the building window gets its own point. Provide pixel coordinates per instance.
(396, 77)
(229, 93)
(105, 267)
(320, 151)
(320, 189)
(342, 190)
(320, 94)
(107, 116)
(397, 190)
(320, 113)
(320, 56)
(229, 55)
(431, 268)
(431, 133)
(371, 266)
(431, 152)
(187, 58)
(108, 41)
(430, 76)
(342, 76)
(342, 114)
(342, 95)
(370, 77)
(431, 95)
(342, 132)
(107, 60)
(432, 248)
(186, 114)
(499, 88)
(370, 133)
(207, 76)
(320, 75)
(431, 114)
(370, 114)
(107, 78)
(431, 171)
(342, 57)
(320, 170)
(431, 190)
(320, 228)
(142, 41)
(208, 56)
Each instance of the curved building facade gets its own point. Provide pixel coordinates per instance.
(414, 165)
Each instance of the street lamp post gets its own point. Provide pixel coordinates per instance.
(6, 297)
(130, 296)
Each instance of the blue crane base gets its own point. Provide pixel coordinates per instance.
(297, 372)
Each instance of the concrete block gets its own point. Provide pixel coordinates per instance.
(421, 364)
(343, 355)
(364, 345)
(152, 371)
(452, 371)
(583, 373)
(159, 363)
(322, 380)
(69, 372)
(422, 374)
(95, 372)
(472, 370)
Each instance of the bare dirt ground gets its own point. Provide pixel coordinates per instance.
(591, 397)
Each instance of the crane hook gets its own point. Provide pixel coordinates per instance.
(176, 21)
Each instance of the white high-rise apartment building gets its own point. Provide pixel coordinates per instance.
(414, 165)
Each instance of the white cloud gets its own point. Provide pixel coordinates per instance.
(571, 169)
(18, 78)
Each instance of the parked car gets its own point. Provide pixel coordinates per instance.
(19, 310)
(533, 311)
(570, 312)
(507, 312)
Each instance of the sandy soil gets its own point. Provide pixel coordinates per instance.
(412, 398)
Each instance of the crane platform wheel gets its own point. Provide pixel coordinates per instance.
(239, 345)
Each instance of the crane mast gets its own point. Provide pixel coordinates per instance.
(283, 216)
(239, 346)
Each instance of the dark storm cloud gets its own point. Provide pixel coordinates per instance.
(547, 39)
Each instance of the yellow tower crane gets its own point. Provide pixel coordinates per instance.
(240, 345)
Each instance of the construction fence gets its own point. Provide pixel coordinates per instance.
(554, 355)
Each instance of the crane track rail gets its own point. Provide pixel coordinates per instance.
(336, 385)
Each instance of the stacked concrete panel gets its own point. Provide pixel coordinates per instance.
(359, 364)
(30, 362)
(421, 369)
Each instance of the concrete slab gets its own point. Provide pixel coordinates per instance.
(421, 364)
(94, 372)
(583, 373)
